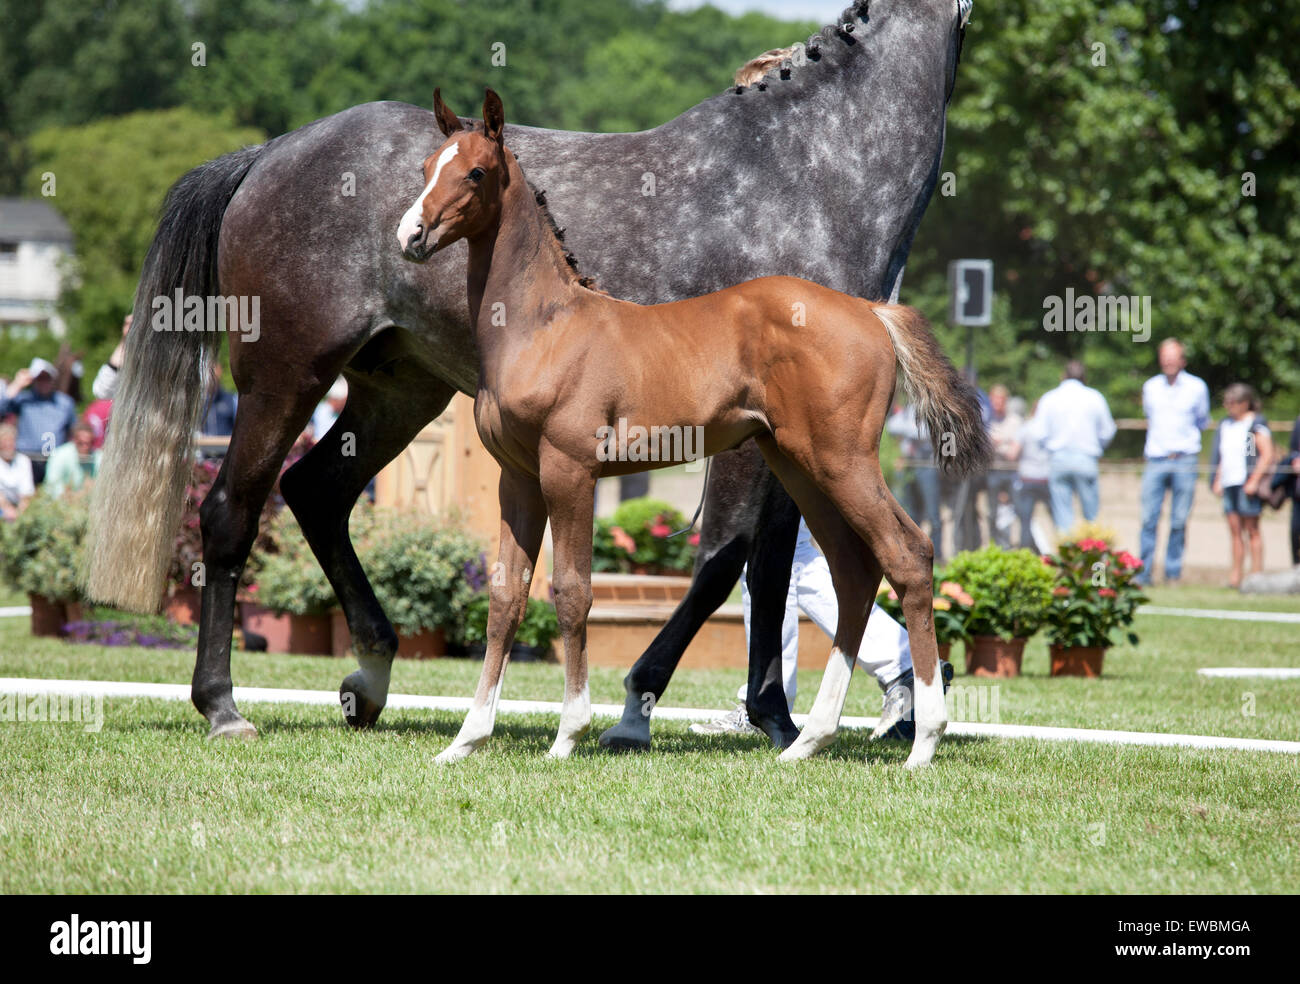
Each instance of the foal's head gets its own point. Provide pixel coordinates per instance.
(463, 182)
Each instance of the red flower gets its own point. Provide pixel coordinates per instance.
(621, 539)
(694, 539)
(1129, 561)
(1100, 545)
(1061, 592)
(1107, 592)
(1047, 559)
(660, 530)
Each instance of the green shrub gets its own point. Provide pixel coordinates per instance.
(636, 538)
(1011, 590)
(538, 629)
(42, 548)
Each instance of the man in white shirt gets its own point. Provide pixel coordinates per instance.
(1177, 408)
(1075, 425)
(16, 484)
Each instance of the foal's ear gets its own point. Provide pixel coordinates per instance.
(494, 116)
(448, 122)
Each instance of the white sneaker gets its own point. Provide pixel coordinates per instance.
(732, 723)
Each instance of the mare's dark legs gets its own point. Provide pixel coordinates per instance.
(387, 405)
(743, 517)
(266, 425)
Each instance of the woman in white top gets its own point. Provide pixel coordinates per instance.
(1242, 460)
(16, 485)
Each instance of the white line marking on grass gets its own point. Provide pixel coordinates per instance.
(1220, 613)
(270, 695)
(16, 611)
(1267, 672)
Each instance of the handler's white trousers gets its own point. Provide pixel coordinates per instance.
(885, 651)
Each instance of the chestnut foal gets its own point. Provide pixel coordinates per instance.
(806, 371)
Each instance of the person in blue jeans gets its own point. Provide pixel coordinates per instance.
(1074, 424)
(1177, 408)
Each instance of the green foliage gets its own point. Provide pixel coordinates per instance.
(289, 579)
(1011, 590)
(40, 551)
(539, 627)
(636, 539)
(1095, 595)
(1126, 177)
(421, 568)
(110, 180)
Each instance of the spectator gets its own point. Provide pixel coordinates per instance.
(219, 415)
(1075, 425)
(1032, 471)
(43, 414)
(1243, 457)
(914, 441)
(73, 463)
(328, 410)
(105, 385)
(16, 483)
(1177, 408)
(1292, 463)
(1004, 430)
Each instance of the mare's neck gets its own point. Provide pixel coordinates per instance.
(518, 276)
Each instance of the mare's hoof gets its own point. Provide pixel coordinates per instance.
(238, 728)
(624, 737)
(359, 711)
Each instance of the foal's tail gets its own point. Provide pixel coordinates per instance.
(138, 497)
(945, 401)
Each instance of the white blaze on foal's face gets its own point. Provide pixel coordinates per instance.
(412, 223)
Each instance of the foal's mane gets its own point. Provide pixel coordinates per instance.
(778, 62)
(557, 231)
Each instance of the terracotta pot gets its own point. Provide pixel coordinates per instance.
(993, 656)
(182, 606)
(75, 610)
(48, 616)
(1084, 661)
(307, 635)
(422, 645)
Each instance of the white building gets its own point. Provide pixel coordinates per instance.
(34, 239)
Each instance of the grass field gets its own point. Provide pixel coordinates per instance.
(147, 805)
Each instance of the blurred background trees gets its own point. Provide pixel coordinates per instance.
(1103, 146)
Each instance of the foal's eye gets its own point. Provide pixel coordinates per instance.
(476, 174)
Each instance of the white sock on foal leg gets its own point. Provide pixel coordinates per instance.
(475, 729)
(824, 721)
(575, 719)
(931, 716)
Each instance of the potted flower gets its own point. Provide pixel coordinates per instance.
(1095, 597)
(1010, 592)
(637, 540)
(41, 555)
(951, 606)
(537, 630)
(292, 596)
(424, 570)
(181, 601)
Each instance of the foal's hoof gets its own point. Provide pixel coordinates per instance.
(359, 711)
(627, 736)
(238, 728)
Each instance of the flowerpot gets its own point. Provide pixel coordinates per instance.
(75, 610)
(1084, 661)
(308, 635)
(993, 656)
(182, 606)
(423, 645)
(48, 616)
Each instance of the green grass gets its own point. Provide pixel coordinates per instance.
(147, 806)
